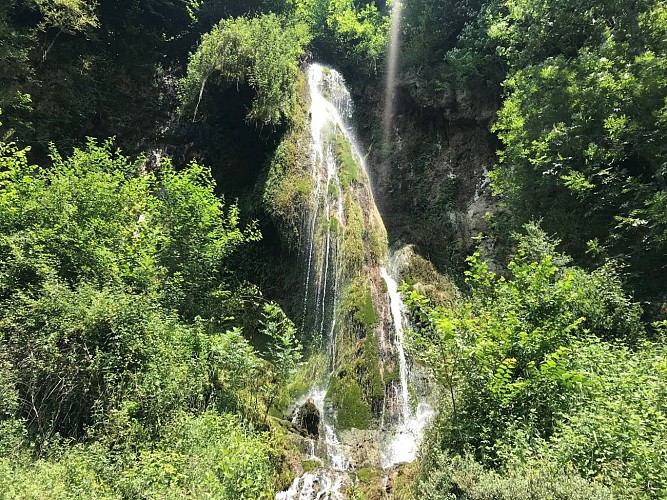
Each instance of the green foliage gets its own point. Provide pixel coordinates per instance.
(354, 33)
(288, 187)
(114, 366)
(348, 164)
(362, 29)
(92, 217)
(446, 47)
(536, 373)
(358, 302)
(618, 434)
(209, 455)
(263, 52)
(77, 68)
(283, 350)
(68, 16)
(456, 477)
(582, 126)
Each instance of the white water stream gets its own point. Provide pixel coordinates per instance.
(407, 435)
(392, 66)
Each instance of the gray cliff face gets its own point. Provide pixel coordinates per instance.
(432, 181)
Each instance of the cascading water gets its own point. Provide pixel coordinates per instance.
(407, 435)
(392, 65)
(342, 219)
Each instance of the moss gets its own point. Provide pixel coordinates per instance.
(359, 351)
(289, 185)
(351, 410)
(391, 372)
(310, 465)
(349, 170)
(366, 313)
(358, 303)
(353, 242)
(369, 474)
(377, 239)
(422, 275)
(333, 190)
(307, 374)
(370, 364)
(403, 481)
(334, 225)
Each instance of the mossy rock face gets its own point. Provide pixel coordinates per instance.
(349, 170)
(425, 278)
(370, 375)
(369, 474)
(353, 237)
(310, 465)
(358, 359)
(365, 311)
(288, 187)
(352, 412)
(358, 303)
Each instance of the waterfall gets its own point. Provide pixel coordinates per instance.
(341, 218)
(407, 435)
(392, 66)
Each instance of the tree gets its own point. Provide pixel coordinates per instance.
(582, 127)
(550, 375)
(284, 350)
(504, 354)
(66, 16)
(106, 271)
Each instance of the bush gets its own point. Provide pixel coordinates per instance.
(462, 478)
(537, 373)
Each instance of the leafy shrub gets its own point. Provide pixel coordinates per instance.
(463, 478)
(537, 373)
(263, 51)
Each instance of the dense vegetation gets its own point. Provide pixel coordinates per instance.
(554, 375)
(119, 334)
(143, 351)
(548, 374)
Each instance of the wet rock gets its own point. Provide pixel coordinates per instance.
(362, 447)
(309, 418)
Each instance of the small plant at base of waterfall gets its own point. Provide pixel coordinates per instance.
(354, 493)
(368, 474)
(284, 351)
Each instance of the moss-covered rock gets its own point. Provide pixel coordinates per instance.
(352, 412)
(348, 164)
(288, 186)
(309, 418)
